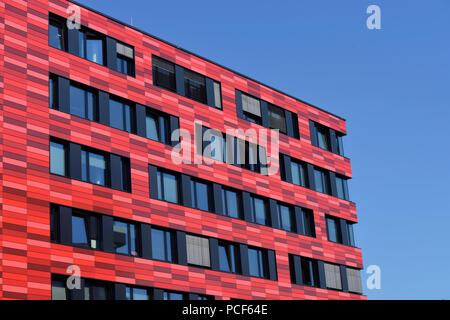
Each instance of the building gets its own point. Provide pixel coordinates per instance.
(88, 181)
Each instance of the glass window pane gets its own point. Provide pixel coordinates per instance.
(277, 118)
(58, 290)
(90, 106)
(232, 204)
(164, 73)
(340, 188)
(322, 137)
(285, 218)
(84, 164)
(158, 245)
(217, 95)
(97, 167)
(260, 211)
(140, 294)
(253, 260)
(224, 262)
(201, 192)
(79, 230)
(82, 44)
(94, 49)
(57, 158)
(133, 239)
(56, 36)
(159, 185)
(77, 101)
(100, 293)
(127, 117)
(170, 188)
(116, 116)
(152, 127)
(319, 180)
(122, 228)
(351, 235)
(128, 293)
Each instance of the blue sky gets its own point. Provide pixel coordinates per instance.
(392, 86)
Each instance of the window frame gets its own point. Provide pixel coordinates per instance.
(166, 236)
(262, 262)
(161, 186)
(128, 244)
(155, 73)
(86, 170)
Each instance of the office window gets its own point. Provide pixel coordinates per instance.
(351, 235)
(157, 126)
(298, 170)
(170, 295)
(82, 102)
(200, 193)
(310, 272)
(58, 158)
(217, 95)
(163, 73)
(124, 174)
(258, 262)
(213, 144)
(53, 92)
(96, 290)
(333, 276)
(322, 182)
(120, 115)
(228, 255)
(168, 189)
(57, 34)
(133, 293)
(340, 144)
(54, 223)
(125, 59)
(161, 241)
(277, 119)
(59, 290)
(259, 211)
(91, 46)
(251, 108)
(285, 216)
(198, 251)
(342, 187)
(354, 280)
(194, 86)
(125, 238)
(323, 139)
(308, 223)
(232, 203)
(334, 229)
(93, 167)
(85, 230)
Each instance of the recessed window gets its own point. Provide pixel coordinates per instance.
(157, 127)
(342, 188)
(168, 188)
(200, 192)
(82, 102)
(351, 235)
(354, 280)
(258, 262)
(326, 138)
(334, 229)
(57, 34)
(59, 290)
(170, 295)
(285, 216)
(198, 251)
(125, 238)
(321, 180)
(194, 86)
(162, 245)
(125, 59)
(85, 230)
(53, 92)
(93, 167)
(228, 255)
(251, 108)
(91, 46)
(308, 223)
(258, 210)
(97, 290)
(232, 203)
(164, 73)
(58, 158)
(298, 170)
(333, 276)
(217, 95)
(120, 115)
(133, 293)
(310, 272)
(277, 119)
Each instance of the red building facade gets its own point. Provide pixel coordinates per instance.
(37, 109)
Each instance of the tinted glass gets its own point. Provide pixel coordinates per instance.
(164, 74)
(200, 193)
(285, 217)
(97, 167)
(152, 127)
(351, 235)
(322, 138)
(57, 158)
(119, 115)
(170, 188)
(140, 294)
(298, 174)
(227, 260)
(255, 261)
(333, 230)
(260, 213)
(94, 49)
(77, 101)
(161, 245)
(59, 290)
(55, 35)
(231, 203)
(79, 230)
(172, 296)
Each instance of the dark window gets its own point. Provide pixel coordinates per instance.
(323, 139)
(203, 297)
(258, 262)
(91, 46)
(134, 293)
(351, 235)
(228, 255)
(171, 295)
(83, 102)
(124, 174)
(310, 272)
(164, 74)
(194, 86)
(85, 230)
(54, 223)
(125, 59)
(57, 34)
(59, 290)
(308, 223)
(93, 167)
(322, 182)
(120, 115)
(168, 189)
(334, 229)
(157, 127)
(232, 203)
(58, 158)
(162, 245)
(298, 170)
(217, 95)
(200, 193)
(342, 188)
(213, 144)
(53, 92)
(258, 207)
(251, 108)
(277, 119)
(125, 238)
(96, 290)
(340, 144)
(285, 216)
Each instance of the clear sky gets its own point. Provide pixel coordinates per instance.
(392, 85)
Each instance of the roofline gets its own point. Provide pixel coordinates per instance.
(203, 58)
